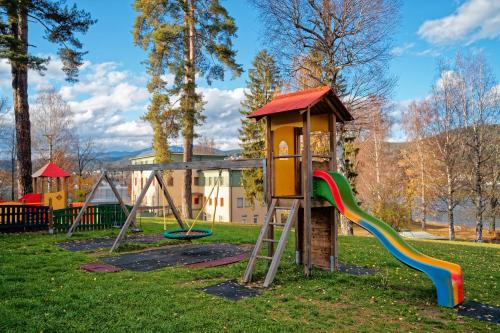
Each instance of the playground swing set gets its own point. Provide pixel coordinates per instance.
(308, 186)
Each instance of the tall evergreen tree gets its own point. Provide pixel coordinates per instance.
(263, 81)
(60, 24)
(184, 38)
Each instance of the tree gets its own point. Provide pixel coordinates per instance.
(380, 178)
(478, 99)
(52, 127)
(493, 185)
(185, 38)
(60, 24)
(417, 161)
(345, 40)
(263, 82)
(206, 145)
(446, 141)
(7, 147)
(85, 155)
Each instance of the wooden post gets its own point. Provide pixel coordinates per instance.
(170, 201)
(130, 217)
(307, 192)
(270, 179)
(72, 229)
(299, 221)
(51, 217)
(332, 130)
(65, 189)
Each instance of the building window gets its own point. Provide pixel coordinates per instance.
(256, 219)
(210, 202)
(221, 181)
(243, 219)
(239, 202)
(209, 181)
(222, 202)
(135, 181)
(170, 181)
(196, 200)
(220, 218)
(283, 148)
(196, 181)
(142, 180)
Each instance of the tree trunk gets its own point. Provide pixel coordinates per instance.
(450, 204)
(478, 186)
(189, 104)
(19, 73)
(345, 224)
(422, 187)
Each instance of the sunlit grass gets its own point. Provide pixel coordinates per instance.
(43, 289)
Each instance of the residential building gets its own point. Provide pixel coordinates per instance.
(231, 203)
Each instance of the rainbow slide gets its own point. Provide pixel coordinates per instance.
(446, 276)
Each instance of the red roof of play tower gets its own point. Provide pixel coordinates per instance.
(50, 170)
(301, 100)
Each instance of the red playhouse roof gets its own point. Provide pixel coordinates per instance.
(51, 170)
(301, 100)
(31, 198)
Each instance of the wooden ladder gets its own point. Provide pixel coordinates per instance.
(275, 257)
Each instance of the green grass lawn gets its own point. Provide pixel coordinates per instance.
(43, 289)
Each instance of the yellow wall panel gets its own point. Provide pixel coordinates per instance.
(284, 168)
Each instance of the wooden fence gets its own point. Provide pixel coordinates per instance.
(95, 218)
(19, 218)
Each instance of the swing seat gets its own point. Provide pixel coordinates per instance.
(182, 234)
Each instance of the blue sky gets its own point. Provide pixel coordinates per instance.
(110, 97)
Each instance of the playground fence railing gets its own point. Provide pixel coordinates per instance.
(19, 218)
(102, 216)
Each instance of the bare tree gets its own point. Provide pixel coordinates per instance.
(479, 102)
(417, 160)
(8, 145)
(341, 43)
(206, 145)
(443, 130)
(51, 124)
(85, 155)
(492, 185)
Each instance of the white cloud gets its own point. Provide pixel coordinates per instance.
(132, 128)
(400, 50)
(396, 111)
(223, 118)
(4, 77)
(108, 101)
(473, 20)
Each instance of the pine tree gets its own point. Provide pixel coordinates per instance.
(184, 38)
(263, 81)
(60, 24)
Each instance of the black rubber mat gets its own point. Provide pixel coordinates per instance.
(356, 270)
(480, 311)
(173, 256)
(231, 290)
(105, 242)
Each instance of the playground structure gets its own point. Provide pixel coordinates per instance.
(300, 177)
(306, 183)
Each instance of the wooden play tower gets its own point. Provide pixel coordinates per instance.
(300, 136)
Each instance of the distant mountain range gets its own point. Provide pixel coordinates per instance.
(122, 157)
